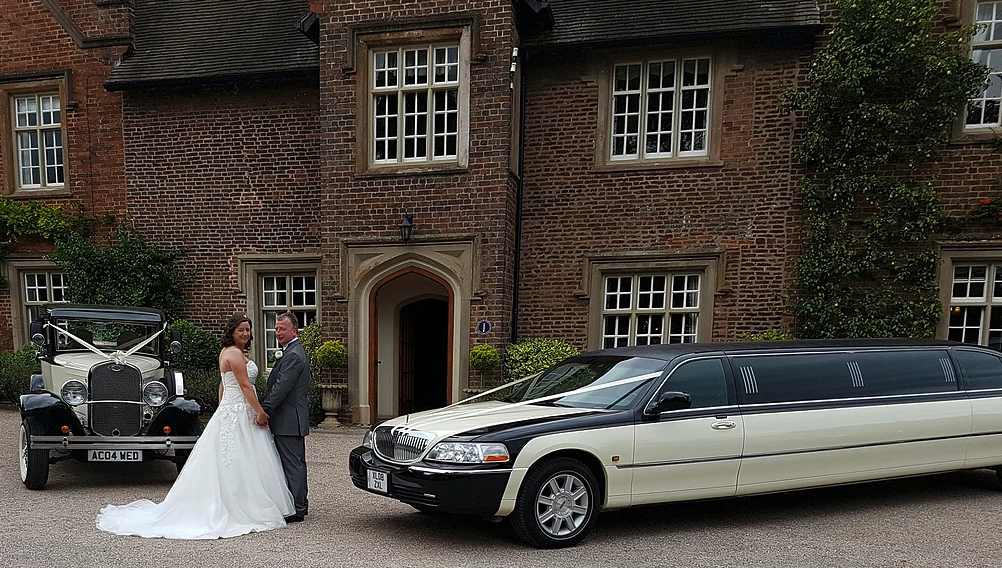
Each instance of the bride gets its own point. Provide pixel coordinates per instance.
(232, 483)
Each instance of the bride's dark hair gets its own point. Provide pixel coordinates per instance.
(232, 326)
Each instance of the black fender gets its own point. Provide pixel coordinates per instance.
(50, 410)
(178, 414)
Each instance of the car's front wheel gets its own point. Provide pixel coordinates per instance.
(34, 463)
(557, 504)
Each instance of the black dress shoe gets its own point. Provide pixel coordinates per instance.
(294, 519)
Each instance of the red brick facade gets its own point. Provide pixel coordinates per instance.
(36, 47)
(239, 172)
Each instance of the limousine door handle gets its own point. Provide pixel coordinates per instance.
(723, 425)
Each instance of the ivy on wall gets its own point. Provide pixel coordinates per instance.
(18, 219)
(884, 93)
(122, 268)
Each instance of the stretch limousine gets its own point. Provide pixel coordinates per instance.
(655, 424)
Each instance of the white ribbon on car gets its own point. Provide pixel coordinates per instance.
(118, 356)
(581, 390)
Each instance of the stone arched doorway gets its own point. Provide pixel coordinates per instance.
(411, 338)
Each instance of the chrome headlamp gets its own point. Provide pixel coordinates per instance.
(155, 393)
(468, 452)
(73, 393)
(367, 439)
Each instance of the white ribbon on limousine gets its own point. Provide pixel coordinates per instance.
(581, 390)
(120, 357)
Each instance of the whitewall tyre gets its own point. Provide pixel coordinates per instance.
(34, 464)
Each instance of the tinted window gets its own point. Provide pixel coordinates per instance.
(902, 372)
(703, 380)
(982, 370)
(789, 378)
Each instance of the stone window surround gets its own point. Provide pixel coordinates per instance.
(16, 267)
(364, 38)
(32, 83)
(962, 253)
(709, 264)
(251, 268)
(600, 73)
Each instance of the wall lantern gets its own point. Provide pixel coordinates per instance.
(407, 227)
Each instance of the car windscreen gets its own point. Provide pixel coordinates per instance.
(627, 377)
(106, 336)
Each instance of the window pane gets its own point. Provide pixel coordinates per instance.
(704, 381)
(981, 370)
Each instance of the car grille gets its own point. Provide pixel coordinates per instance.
(114, 381)
(400, 445)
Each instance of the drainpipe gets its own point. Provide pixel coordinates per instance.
(518, 197)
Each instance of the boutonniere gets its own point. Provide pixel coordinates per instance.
(278, 355)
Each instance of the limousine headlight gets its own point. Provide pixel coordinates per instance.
(367, 440)
(468, 452)
(74, 393)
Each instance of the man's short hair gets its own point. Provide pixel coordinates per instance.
(291, 317)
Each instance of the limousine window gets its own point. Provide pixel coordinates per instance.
(790, 378)
(983, 371)
(578, 373)
(703, 380)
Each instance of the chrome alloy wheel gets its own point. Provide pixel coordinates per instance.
(562, 505)
(23, 454)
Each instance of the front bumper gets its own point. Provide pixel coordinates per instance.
(450, 490)
(113, 443)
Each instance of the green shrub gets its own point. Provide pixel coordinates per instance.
(483, 357)
(16, 368)
(199, 348)
(312, 339)
(203, 386)
(331, 355)
(771, 335)
(533, 355)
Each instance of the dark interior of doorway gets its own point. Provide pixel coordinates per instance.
(423, 355)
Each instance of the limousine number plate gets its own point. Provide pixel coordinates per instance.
(378, 481)
(115, 455)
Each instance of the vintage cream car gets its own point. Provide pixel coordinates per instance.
(655, 424)
(106, 393)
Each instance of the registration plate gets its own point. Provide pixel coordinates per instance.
(115, 455)
(378, 481)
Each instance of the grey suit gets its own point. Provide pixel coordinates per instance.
(285, 401)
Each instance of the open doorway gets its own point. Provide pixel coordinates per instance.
(423, 355)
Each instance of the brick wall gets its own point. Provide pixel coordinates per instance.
(222, 173)
(746, 206)
(32, 41)
(478, 201)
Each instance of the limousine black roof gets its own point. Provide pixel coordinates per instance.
(673, 350)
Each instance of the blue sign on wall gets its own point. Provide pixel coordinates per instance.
(484, 327)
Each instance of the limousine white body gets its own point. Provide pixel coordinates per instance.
(656, 424)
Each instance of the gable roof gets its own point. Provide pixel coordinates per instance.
(578, 22)
(182, 41)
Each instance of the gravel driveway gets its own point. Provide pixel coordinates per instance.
(948, 520)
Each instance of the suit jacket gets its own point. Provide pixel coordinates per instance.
(287, 391)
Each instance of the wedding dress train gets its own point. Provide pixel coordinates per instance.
(232, 483)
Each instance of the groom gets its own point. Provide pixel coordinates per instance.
(285, 401)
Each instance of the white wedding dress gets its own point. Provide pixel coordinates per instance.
(232, 483)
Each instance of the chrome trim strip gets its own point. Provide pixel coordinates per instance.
(678, 462)
(421, 469)
(108, 443)
(806, 451)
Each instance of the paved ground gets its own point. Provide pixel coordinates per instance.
(939, 521)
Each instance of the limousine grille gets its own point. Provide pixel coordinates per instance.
(400, 445)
